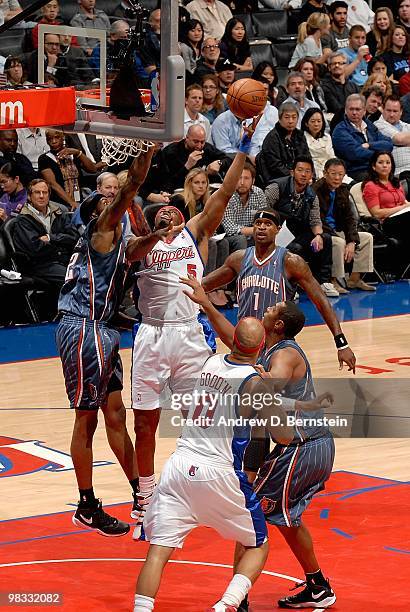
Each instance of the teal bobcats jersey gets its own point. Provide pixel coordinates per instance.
(94, 282)
(262, 283)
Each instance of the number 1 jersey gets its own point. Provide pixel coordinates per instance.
(161, 297)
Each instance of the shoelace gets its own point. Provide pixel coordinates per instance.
(298, 585)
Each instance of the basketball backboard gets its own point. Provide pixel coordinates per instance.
(161, 116)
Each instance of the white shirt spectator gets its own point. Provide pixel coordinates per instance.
(200, 120)
(359, 13)
(401, 154)
(213, 14)
(32, 144)
(266, 123)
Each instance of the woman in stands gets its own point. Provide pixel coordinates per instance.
(397, 55)
(192, 36)
(14, 194)
(385, 198)
(192, 201)
(320, 144)
(214, 103)
(268, 71)
(378, 80)
(310, 71)
(309, 43)
(235, 45)
(379, 36)
(13, 69)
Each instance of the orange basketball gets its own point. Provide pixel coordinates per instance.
(246, 98)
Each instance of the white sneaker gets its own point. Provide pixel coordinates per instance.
(329, 289)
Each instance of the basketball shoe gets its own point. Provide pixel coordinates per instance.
(312, 596)
(95, 519)
(244, 605)
(138, 511)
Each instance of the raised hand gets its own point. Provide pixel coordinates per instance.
(198, 295)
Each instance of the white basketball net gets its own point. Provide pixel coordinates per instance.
(117, 150)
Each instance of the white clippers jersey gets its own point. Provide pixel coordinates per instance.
(214, 433)
(160, 292)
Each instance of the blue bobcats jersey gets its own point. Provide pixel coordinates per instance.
(94, 281)
(262, 283)
(303, 389)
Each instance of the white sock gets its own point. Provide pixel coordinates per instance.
(143, 603)
(237, 590)
(147, 485)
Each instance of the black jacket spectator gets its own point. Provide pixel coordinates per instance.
(336, 92)
(278, 154)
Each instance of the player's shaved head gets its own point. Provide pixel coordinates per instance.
(249, 336)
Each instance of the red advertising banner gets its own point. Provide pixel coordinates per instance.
(36, 107)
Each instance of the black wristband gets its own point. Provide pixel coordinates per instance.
(341, 342)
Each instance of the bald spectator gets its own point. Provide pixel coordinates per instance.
(210, 53)
(91, 18)
(193, 151)
(194, 99)
(213, 14)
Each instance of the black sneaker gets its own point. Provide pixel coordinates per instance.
(244, 605)
(140, 505)
(312, 596)
(97, 520)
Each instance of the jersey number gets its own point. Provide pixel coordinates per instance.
(69, 275)
(191, 269)
(204, 410)
(256, 301)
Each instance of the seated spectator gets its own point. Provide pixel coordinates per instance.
(8, 153)
(298, 205)
(13, 69)
(49, 15)
(91, 18)
(336, 87)
(61, 168)
(374, 99)
(314, 91)
(227, 130)
(355, 138)
(79, 72)
(234, 45)
(190, 44)
(390, 124)
(210, 53)
(310, 7)
(320, 144)
(32, 143)
(356, 69)
(397, 55)
(214, 103)
(309, 43)
(338, 36)
(225, 72)
(150, 50)
(9, 9)
(14, 195)
(359, 13)
(296, 88)
(192, 201)
(44, 238)
(241, 209)
(340, 221)
(213, 14)
(54, 62)
(281, 146)
(178, 158)
(268, 72)
(379, 36)
(194, 99)
(403, 10)
(376, 66)
(384, 196)
(380, 81)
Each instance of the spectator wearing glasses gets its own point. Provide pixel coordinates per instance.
(210, 53)
(49, 16)
(336, 87)
(54, 62)
(14, 71)
(214, 103)
(213, 14)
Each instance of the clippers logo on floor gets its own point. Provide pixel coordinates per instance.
(19, 457)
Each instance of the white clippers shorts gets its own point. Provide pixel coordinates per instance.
(166, 358)
(190, 495)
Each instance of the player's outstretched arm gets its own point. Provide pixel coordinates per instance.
(225, 274)
(297, 270)
(221, 325)
(206, 222)
(113, 213)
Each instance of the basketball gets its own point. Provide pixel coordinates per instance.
(246, 98)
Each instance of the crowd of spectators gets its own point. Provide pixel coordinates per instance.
(338, 117)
